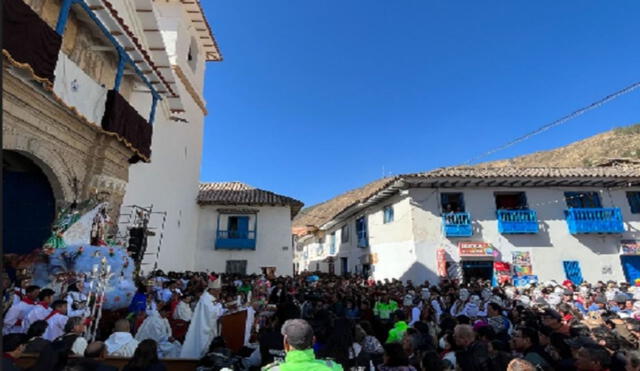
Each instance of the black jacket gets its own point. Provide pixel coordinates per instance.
(474, 358)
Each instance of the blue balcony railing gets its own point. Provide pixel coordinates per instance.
(236, 240)
(594, 220)
(457, 225)
(517, 221)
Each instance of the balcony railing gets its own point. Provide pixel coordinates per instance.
(517, 221)
(236, 240)
(457, 225)
(594, 220)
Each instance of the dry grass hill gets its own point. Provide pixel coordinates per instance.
(623, 142)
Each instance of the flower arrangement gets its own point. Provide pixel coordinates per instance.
(112, 251)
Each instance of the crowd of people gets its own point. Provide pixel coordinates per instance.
(317, 321)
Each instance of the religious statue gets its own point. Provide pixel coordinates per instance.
(99, 227)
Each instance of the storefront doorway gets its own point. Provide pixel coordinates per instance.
(477, 269)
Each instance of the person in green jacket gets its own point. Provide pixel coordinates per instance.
(399, 327)
(385, 307)
(298, 345)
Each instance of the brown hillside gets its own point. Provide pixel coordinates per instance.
(621, 142)
(321, 213)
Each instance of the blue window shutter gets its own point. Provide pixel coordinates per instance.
(634, 202)
(573, 271)
(388, 214)
(243, 226)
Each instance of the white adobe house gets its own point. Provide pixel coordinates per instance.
(244, 230)
(169, 183)
(545, 223)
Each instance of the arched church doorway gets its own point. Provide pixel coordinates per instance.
(28, 204)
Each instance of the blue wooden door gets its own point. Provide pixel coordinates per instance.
(573, 272)
(631, 267)
(28, 206)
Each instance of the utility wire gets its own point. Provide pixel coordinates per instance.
(560, 121)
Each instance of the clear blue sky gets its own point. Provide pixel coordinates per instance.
(317, 97)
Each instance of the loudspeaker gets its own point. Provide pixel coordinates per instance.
(137, 243)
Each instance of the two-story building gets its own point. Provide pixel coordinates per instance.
(244, 230)
(549, 223)
(84, 82)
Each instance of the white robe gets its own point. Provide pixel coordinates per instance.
(77, 297)
(36, 314)
(183, 312)
(121, 344)
(56, 326)
(16, 315)
(18, 293)
(203, 327)
(79, 346)
(251, 315)
(157, 328)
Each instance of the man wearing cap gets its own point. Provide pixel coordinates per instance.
(552, 319)
(298, 345)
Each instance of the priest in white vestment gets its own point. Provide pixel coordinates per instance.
(156, 327)
(121, 343)
(204, 323)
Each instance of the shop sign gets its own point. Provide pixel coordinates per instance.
(630, 247)
(475, 249)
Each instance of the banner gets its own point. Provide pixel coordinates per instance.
(441, 259)
(522, 263)
(524, 280)
(630, 247)
(468, 248)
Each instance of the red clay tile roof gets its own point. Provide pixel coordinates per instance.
(318, 215)
(532, 172)
(237, 193)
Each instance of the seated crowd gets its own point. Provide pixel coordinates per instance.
(326, 322)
